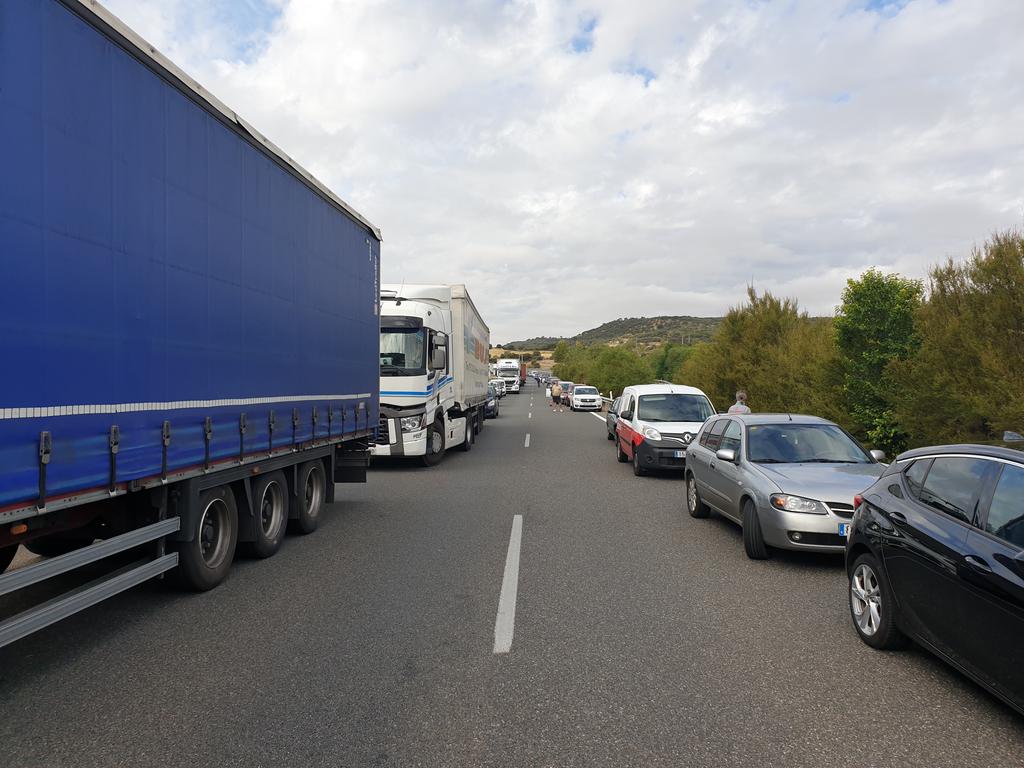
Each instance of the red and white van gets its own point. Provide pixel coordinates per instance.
(656, 423)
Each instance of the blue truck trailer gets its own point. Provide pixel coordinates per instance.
(189, 320)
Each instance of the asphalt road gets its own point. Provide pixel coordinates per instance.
(642, 637)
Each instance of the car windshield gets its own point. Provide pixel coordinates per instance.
(802, 443)
(585, 391)
(673, 407)
(402, 352)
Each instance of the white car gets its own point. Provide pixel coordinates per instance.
(499, 386)
(585, 398)
(656, 423)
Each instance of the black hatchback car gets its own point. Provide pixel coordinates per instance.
(936, 553)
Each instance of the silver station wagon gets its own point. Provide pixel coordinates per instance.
(787, 480)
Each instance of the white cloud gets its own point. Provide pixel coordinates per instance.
(574, 162)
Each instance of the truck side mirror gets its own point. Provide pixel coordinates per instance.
(439, 359)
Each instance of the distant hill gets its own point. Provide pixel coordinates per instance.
(634, 331)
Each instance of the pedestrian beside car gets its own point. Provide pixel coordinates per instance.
(740, 406)
(556, 394)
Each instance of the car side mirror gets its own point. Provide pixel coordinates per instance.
(726, 454)
(439, 359)
(878, 455)
(625, 415)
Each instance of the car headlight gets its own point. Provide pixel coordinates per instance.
(651, 433)
(797, 504)
(412, 423)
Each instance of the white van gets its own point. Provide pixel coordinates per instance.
(656, 423)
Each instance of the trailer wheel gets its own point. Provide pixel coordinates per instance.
(435, 444)
(56, 545)
(270, 503)
(310, 492)
(7, 556)
(204, 562)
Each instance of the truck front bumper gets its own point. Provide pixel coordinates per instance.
(397, 443)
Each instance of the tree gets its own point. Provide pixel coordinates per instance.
(666, 359)
(965, 381)
(873, 327)
(615, 368)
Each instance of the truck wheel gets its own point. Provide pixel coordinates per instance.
(204, 562)
(467, 443)
(478, 420)
(7, 556)
(270, 504)
(435, 445)
(56, 545)
(310, 493)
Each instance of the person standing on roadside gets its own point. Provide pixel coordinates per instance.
(740, 406)
(556, 394)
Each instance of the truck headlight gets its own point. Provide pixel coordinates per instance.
(651, 433)
(797, 504)
(412, 423)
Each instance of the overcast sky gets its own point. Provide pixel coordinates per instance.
(577, 162)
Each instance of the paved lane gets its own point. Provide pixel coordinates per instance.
(641, 637)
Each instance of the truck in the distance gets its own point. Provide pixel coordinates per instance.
(193, 319)
(433, 371)
(511, 370)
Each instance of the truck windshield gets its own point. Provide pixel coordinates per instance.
(674, 407)
(509, 374)
(402, 352)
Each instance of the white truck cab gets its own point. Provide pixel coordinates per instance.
(433, 371)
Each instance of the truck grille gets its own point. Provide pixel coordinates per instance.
(382, 431)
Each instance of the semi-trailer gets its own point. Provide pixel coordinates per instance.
(189, 320)
(434, 372)
(510, 369)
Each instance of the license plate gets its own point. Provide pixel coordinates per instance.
(679, 454)
(844, 529)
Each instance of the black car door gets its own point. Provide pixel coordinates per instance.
(994, 571)
(925, 545)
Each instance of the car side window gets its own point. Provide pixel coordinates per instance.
(702, 439)
(952, 485)
(627, 406)
(1006, 511)
(614, 407)
(715, 435)
(914, 475)
(731, 436)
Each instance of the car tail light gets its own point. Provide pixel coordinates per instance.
(857, 500)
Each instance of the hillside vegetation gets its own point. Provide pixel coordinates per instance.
(644, 332)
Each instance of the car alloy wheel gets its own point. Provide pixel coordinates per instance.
(866, 599)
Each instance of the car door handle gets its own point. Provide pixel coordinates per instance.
(978, 564)
(899, 517)
(712, 465)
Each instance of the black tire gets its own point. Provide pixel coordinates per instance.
(611, 435)
(694, 504)
(7, 556)
(468, 437)
(478, 421)
(753, 539)
(204, 562)
(56, 545)
(619, 453)
(435, 444)
(886, 635)
(270, 509)
(308, 499)
(638, 470)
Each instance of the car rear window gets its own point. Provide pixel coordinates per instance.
(952, 485)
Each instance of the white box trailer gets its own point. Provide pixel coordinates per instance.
(434, 351)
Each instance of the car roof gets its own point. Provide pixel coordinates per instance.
(662, 389)
(778, 418)
(972, 449)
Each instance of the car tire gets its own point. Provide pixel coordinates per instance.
(694, 504)
(619, 453)
(872, 607)
(638, 470)
(753, 539)
(467, 441)
(204, 562)
(270, 509)
(435, 445)
(310, 496)
(611, 435)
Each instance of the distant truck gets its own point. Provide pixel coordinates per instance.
(513, 372)
(189, 324)
(434, 372)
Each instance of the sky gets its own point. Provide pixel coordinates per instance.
(576, 162)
